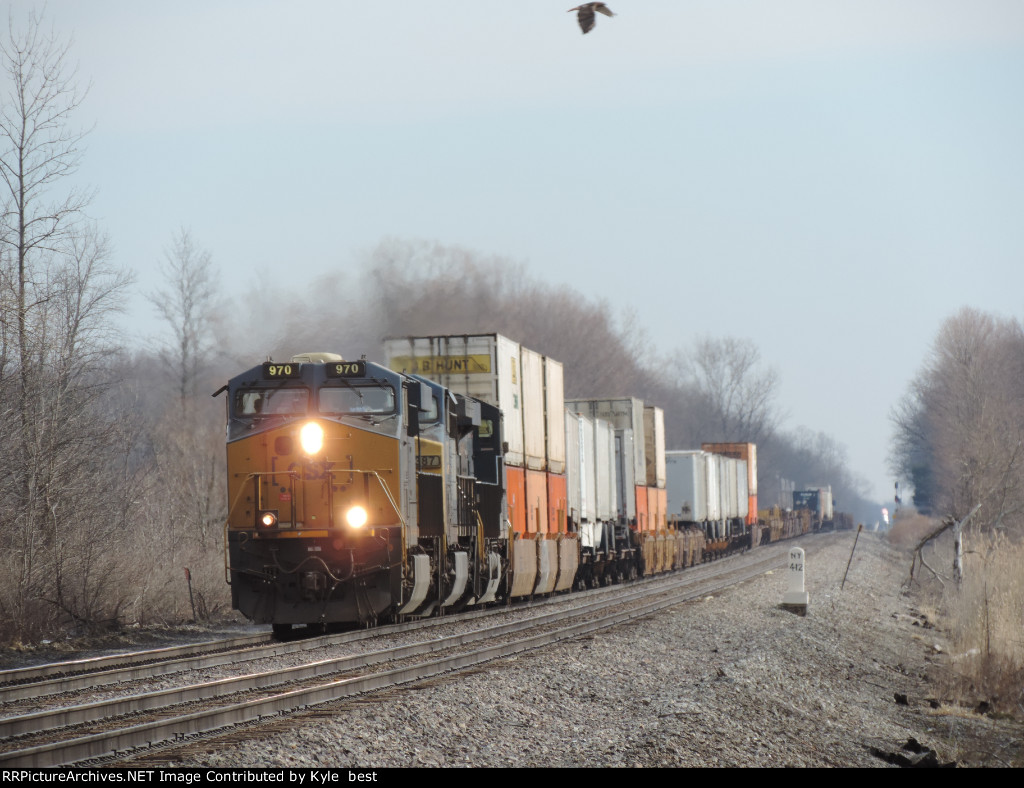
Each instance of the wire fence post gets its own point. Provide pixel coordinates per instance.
(191, 599)
(859, 529)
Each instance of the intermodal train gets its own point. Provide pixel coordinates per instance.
(457, 474)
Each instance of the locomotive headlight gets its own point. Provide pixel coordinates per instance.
(356, 517)
(312, 438)
(267, 519)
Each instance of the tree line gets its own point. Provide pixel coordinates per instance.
(959, 438)
(714, 389)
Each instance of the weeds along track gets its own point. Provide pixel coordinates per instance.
(82, 727)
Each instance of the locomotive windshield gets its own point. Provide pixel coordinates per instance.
(270, 402)
(375, 399)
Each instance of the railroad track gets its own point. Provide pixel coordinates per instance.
(128, 726)
(60, 678)
(74, 675)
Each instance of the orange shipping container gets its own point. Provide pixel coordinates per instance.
(536, 502)
(515, 483)
(643, 518)
(557, 503)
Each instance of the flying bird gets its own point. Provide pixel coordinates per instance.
(585, 14)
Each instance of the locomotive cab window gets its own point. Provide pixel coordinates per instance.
(270, 402)
(373, 399)
(429, 416)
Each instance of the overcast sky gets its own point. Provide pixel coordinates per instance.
(829, 179)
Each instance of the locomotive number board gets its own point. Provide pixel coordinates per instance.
(345, 369)
(274, 371)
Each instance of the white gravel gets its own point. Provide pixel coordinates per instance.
(727, 681)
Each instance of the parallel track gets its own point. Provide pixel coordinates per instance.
(153, 720)
(74, 675)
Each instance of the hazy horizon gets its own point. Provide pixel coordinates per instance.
(830, 181)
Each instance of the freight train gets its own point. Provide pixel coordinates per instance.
(457, 475)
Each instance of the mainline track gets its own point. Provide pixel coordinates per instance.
(45, 738)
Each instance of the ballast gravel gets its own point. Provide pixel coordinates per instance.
(731, 680)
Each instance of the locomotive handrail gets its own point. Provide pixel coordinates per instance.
(383, 486)
(390, 498)
(295, 476)
(238, 496)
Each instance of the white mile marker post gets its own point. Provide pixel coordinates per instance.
(796, 598)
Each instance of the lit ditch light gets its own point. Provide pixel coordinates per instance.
(267, 519)
(356, 517)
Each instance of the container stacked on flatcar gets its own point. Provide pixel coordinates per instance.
(458, 475)
(687, 493)
(818, 501)
(739, 517)
(708, 494)
(528, 388)
(593, 510)
(746, 452)
(641, 543)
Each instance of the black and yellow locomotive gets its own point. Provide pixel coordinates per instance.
(353, 494)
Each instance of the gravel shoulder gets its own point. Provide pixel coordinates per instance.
(732, 680)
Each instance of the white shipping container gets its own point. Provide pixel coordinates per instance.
(739, 451)
(723, 488)
(604, 464)
(742, 489)
(581, 477)
(624, 473)
(626, 414)
(686, 486)
(825, 502)
(534, 444)
(572, 465)
(485, 366)
(588, 473)
(711, 477)
(654, 446)
(731, 503)
(554, 415)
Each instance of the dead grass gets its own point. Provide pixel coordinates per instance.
(984, 618)
(909, 528)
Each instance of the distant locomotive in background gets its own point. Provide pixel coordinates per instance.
(457, 475)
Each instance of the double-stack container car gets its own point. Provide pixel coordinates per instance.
(454, 475)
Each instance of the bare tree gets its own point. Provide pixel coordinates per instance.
(188, 435)
(960, 428)
(728, 375)
(57, 293)
(186, 304)
(39, 150)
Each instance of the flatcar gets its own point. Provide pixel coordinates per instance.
(454, 475)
